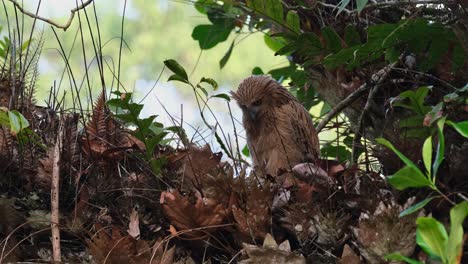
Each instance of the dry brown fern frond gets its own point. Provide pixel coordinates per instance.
(104, 137)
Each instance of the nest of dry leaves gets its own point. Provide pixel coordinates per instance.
(113, 208)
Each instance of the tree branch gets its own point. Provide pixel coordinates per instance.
(54, 197)
(342, 105)
(377, 79)
(49, 21)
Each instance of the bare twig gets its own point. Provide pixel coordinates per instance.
(49, 21)
(54, 200)
(377, 79)
(342, 105)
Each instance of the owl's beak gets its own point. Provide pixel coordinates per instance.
(252, 114)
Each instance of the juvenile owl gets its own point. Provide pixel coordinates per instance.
(280, 132)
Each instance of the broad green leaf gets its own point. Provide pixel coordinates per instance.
(351, 36)
(226, 56)
(427, 154)
(416, 207)
(223, 96)
(175, 77)
(4, 119)
(408, 177)
(399, 257)
(211, 82)
(432, 236)
(361, 4)
(202, 5)
(274, 43)
(274, 9)
(332, 40)
(454, 248)
(460, 127)
(293, 22)
(177, 69)
(389, 145)
(17, 122)
(439, 46)
(440, 147)
(209, 36)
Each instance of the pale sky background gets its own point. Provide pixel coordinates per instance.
(169, 94)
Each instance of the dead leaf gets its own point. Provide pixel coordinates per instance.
(134, 225)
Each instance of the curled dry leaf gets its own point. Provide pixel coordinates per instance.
(203, 213)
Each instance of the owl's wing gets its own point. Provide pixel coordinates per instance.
(297, 125)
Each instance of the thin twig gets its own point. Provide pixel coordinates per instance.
(51, 22)
(54, 200)
(377, 79)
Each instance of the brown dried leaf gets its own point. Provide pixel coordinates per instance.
(117, 247)
(270, 252)
(384, 231)
(186, 215)
(348, 256)
(134, 225)
(252, 209)
(44, 170)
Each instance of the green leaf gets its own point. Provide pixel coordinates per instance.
(408, 177)
(17, 122)
(209, 36)
(432, 236)
(293, 22)
(389, 145)
(341, 153)
(460, 127)
(177, 69)
(257, 71)
(454, 249)
(416, 207)
(176, 77)
(246, 151)
(226, 56)
(274, 9)
(211, 82)
(4, 119)
(399, 257)
(427, 154)
(361, 4)
(440, 147)
(332, 40)
(351, 36)
(342, 5)
(274, 43)
(223, 96)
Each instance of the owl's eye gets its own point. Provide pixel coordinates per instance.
(257, 103)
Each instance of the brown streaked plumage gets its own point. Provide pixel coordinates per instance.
(280, 131)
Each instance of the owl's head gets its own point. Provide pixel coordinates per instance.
(256, 95)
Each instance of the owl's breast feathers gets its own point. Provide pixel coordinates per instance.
(284, 134)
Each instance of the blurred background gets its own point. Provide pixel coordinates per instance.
(153, 31)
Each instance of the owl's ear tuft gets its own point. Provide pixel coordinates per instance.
(234, 95)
